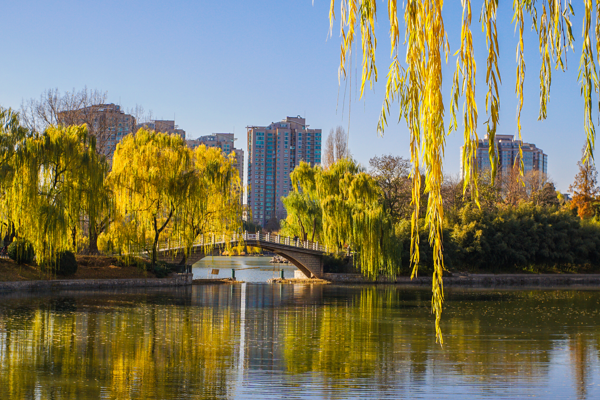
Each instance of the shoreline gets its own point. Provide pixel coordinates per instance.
(178, 280)
(81, 284)
(477, 280)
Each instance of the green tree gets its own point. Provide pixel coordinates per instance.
(12, 135)
(211, 205)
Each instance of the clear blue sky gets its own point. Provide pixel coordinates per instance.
(221, 66)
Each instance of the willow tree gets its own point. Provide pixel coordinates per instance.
(304, 214)
(46, 200)
(212, 204)
(12, 135)
(351, 213)
(150, 178)
(165, 193)
(416, 84)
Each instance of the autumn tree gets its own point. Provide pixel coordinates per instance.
(585, 190)
(336, 147)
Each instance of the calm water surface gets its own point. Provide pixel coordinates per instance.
(298, 341)
(247, 269)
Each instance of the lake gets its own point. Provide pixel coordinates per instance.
(263, 341)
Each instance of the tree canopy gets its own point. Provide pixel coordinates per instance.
(167, 193)
(341, 208)
(54, 189)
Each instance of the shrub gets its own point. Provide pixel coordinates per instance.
(66, 264)
(161, 270)
(21, 251)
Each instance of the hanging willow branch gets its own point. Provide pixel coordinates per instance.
(416, 86)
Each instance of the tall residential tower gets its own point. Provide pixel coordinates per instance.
(273, 153)
(508, 154)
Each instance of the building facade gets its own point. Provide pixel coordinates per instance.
(507, 147)
(105, 121)
(273, 153)
(225, 142)
(164, 126)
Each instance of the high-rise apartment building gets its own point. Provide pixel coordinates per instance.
(164, 126)
(273, 153)
(105, 121)
(225, 142)
(508, 154)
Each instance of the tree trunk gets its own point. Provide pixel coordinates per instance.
(74, 238)
(93, 238)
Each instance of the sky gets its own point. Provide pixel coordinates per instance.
(221, 66)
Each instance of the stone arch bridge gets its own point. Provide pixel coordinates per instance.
(307, 256)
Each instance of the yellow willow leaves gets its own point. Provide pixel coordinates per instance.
(167, 194)
(588, 78)
(467, 68)
(416, 85)
(492, 78)
(52, 194)
(342, 204)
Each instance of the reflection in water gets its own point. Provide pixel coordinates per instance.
(247, 269)
(266, 341)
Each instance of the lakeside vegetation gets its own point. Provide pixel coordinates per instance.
(520, 225)
(60, 197)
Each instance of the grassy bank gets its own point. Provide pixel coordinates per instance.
(88, 267)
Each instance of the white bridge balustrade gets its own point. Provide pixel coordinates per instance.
(304, 254)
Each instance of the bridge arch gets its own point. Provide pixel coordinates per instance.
(306, 256)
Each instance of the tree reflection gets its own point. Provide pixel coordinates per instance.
(117, 352)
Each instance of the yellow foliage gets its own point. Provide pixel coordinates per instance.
(54, 191)
(417, 87)
(167, 195)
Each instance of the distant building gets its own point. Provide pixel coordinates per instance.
(165, 126)
(105, 121)
(225, 142)
(534, 158)
(273, 153)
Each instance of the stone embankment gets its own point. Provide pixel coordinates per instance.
(76, 284)
(479, 280)
(223, 281)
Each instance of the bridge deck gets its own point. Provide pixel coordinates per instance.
(250, 239)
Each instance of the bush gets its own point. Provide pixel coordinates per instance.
(66, 264)
(21, 251)
(161, 270)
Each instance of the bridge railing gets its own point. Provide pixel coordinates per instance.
(216, 239)
(286, 241)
